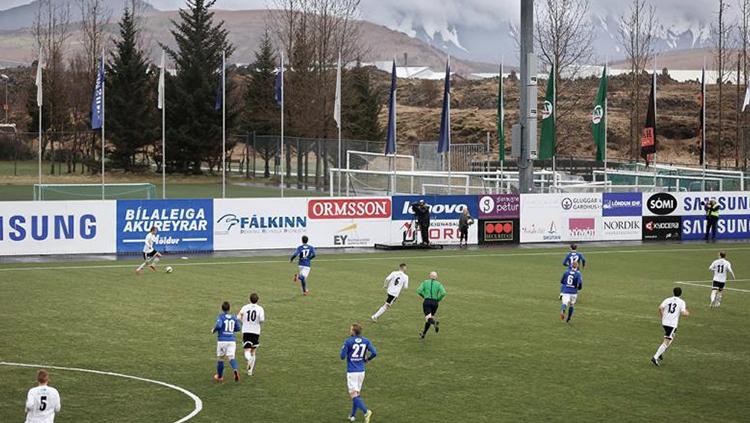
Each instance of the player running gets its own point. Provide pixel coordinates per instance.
(432, 291)
(252, 316)
(150, 255)
(394, 283)
(354, 351)
(720, 268)
(42, 401)
(305, 253)
(574, 256)
(571, 282)
(225, 327)
(670, 311)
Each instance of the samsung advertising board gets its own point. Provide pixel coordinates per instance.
(57, 227)
(728, 227)
(735, 203)
(183, 224)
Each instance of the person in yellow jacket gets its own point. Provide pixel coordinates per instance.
(712, 218)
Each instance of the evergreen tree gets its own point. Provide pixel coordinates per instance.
(361, 119)
(130, 96)
(261, 111)
(193, 124)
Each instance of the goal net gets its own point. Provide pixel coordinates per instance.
(135, 191)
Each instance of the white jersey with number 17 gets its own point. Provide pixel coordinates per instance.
(42, 403)
(671, 309)
(396, 281)
(720, 268)
(251, 316)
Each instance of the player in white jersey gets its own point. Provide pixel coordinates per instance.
(252, 316)
(150, 255)
(43, 401)
(720, 267)
(670, 311)
(394, 283)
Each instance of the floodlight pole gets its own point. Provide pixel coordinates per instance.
(525, 163)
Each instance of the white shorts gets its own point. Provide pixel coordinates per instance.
(304, 271)
(226, 349)
(355, 380)
(569, 298)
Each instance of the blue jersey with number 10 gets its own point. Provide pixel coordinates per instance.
(354, 350)
(571, 282)
(305, 253)
(225, 327)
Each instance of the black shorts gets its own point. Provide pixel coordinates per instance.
(719, 285)
(250, 340)
(669, 331)
(147, 256)
(464, 231)
(391, 299)
(430, 307)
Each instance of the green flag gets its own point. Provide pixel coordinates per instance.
(547, 148)
(599, 119)
(501, 116)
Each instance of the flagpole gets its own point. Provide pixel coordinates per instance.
(606, 119)
(163, 128)
(39, 101)
(103, 120)
(502, 126)
(223, 124)
(655, 120)
(448, 129)
(283, 157)
(337, 117)
(554, 121)
(395, 146)
(703, 123)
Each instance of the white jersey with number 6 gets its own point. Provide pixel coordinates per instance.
(251, 316)
(42, 403)
(396, 281)
(720, 268)
(672, 309)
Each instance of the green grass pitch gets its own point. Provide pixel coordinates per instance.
(502, 353)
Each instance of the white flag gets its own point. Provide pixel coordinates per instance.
(337, 105)
(161, 82)
(747, 98)
(39, 80)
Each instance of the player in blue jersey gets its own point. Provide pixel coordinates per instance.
(225, 327)
(354, 351)
(305, 253)
(571, 282)
(573, 256)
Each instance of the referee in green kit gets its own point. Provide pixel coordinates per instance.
(432, 291)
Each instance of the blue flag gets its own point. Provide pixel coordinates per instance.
(444, 142)
(278, 94)
(390, 138)
(97, 104)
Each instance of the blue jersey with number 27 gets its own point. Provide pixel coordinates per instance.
(354, 351)
(305, 253)
(571, 282)
(225, 327)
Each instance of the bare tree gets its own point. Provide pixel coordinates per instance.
(637, 33)
(94, 17)
(51, 30)
(721, 32)
(744, 43)
(564, 35)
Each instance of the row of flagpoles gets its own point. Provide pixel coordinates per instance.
(547, 148)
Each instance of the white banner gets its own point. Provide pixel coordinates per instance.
(242, 224)
(561, 217)
(693, 203)
(443, 232)
(57, 227)
(620, 228)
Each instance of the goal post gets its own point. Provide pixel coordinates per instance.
(125, 191)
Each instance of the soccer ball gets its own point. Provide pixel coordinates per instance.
(169, 269)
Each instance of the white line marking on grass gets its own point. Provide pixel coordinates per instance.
(198, 402)
(709, 286)
(368, 257)
(710, 281)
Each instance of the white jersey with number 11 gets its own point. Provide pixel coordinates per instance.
(720, 268)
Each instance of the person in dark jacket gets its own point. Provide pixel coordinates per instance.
(463, 227)
(712, 218)
(422, 214)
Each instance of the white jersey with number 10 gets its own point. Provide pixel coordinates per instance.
(720, 268)
(251, 316)
(395, 282)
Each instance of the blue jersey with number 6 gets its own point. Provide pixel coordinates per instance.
(305, 253)
(571, 282)
(226, 326)
(354, 351)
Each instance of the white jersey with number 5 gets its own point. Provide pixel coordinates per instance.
(720, 268)
(396, 281)
(672, 309)
(42, 403)
(251, 316)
